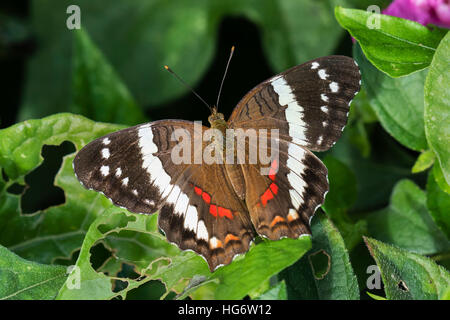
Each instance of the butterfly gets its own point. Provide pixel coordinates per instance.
(217, 209)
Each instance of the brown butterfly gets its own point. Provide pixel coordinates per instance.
(216, 209)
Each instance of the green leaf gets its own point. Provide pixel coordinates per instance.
(281, 21)
(325, 272)
(424, 161)
(24, 280)
(398, 103)
(98, 92)
(375, 175)
(260, 263)
(437, 102)
(446, 295)
(340, 198)
(375, 297)
(439, 178)
(359, 120)
(343, 191)
(408, 275)
(438, 204)
(59, 230)
(395, 46)
(277, 292)
(407, 223)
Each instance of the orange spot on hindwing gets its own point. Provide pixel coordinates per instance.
(276, 220)
(231, 237)
(215, 243)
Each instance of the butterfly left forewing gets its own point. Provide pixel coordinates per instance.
(113, 165)
(198, 208)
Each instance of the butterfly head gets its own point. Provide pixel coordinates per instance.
(217, 120)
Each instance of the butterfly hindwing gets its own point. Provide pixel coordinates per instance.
(308, 103)
(223, 225)
(282, 201)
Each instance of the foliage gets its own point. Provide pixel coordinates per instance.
(388, 174)
(408, 275)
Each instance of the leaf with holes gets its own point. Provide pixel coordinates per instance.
(395, 46)
(25, 280)
(325, 272)
(96, 285)
(437, 102)
(408, 275)
(59, 230)
(398, 103)
(407, 223)
(173, 267)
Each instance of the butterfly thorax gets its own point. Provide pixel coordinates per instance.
(234, 172)
(217, 121)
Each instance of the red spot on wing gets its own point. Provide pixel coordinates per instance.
(223, 212)
(198, 190)
(274, 188)
(266, 197)
(213, 210)
(206, 197)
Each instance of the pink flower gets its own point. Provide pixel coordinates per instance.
(425, 12)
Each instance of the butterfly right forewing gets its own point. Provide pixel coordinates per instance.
(308, 103)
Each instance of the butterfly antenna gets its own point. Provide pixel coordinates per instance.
(224, 75)
(188, 86)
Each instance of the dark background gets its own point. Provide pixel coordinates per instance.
(248, 68)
